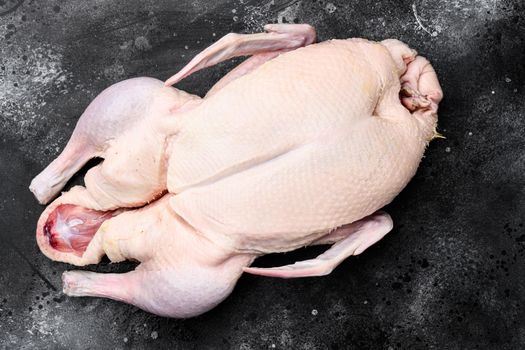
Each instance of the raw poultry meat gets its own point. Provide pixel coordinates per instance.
(301, 144)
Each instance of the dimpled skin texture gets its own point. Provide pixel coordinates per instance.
(295, 149)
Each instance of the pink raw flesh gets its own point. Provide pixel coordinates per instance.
(70, 228)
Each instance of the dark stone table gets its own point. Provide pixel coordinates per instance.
(449, 276)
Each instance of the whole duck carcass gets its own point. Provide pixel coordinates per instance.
(301, 144)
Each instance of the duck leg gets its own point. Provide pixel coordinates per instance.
(277, 38)
(351, 239)
(112, 113)
(181, 273)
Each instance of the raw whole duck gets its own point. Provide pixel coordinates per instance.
(301, 144)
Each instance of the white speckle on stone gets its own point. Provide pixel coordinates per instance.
(142, 43)
(314, 312)
(493, 92)
(114, 72)
(470, 133)
(245, 346)
(175, 34)
(365, 302)
(447, 149)
(235, 18)
(272, 346)
(154, 335)
(508, 80)
(286, 340)
(255, 16)
(186, 47)
(515, 90)
(289, 14)
(330, 8)
(213, 34)
(234, 11)
(125, 45)
(125, 339)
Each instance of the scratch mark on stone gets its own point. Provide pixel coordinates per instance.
(418, 20)
(33, 267)
(102, 31)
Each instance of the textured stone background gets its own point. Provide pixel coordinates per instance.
(449, 276)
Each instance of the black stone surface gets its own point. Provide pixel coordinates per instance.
(449, 276)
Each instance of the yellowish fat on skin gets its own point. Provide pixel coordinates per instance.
(437, 135)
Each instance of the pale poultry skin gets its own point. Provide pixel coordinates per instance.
(301, 144)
